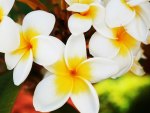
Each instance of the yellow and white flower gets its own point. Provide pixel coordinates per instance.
(9, 33)
(115, 44)
(132, 13)
(71, 77)
(86, 14)
(35, 45)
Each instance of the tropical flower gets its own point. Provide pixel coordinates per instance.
(132, 13)
(70, 77)
(35, 45)
(9, 33)
(87, 13)
(115, 44)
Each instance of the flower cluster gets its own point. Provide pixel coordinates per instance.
(121, 26)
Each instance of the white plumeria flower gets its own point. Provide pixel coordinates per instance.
(87, 13)
(115, 44)
(132, 13)
(35, 45)
(9, 33)
(136, 67)
(71, 77)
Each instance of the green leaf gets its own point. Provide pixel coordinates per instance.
(8, 92)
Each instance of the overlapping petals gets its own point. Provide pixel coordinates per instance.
(35, 45)
(87, 13)
(121, 47)
(72, 77)
(132, 13)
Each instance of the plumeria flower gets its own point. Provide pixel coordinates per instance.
(35, 45)
(86, 14)
(72, 76)
(136, 68)
(132, 13)
(115, 44)
(9, 33)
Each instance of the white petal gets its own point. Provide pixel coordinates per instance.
(137, 69)
(148, 38)
(77, 7)
(75, 50)
(135, 2)
(136, 48)
(13, 58)
(23, 68)
(100, 46)
(118, 13)
(124, 62)
(86, 101)
(46, 97)
(137, 29)
(9, 35)
(96, 69)
(98, 12)
(6, 5)
(41, 21)
(104, 30)
(144, 13)
(46, 49)
(79, 24)
(68, 2)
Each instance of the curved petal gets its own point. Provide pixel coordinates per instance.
(6, 5)
(13, 58)
(137, 29)
(23, 68)
(46, 49)
(42, 22)
(69, 2)
(79, 24)
(124, 62)
(97, 13)
(87, 97)
(9, 35)
(99, 46)
(75, 50)
(96, 69)
(136, 2)
(104, 30)
(144, 13)
(47, 97)
(118, 13)
(137, 69)
(77, 7)
(136, 48)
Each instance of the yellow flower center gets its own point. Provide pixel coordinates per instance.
(66, 78)
(25, 44)
(1, 14)
(123, 39)
(73, 72)
(90, 14)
